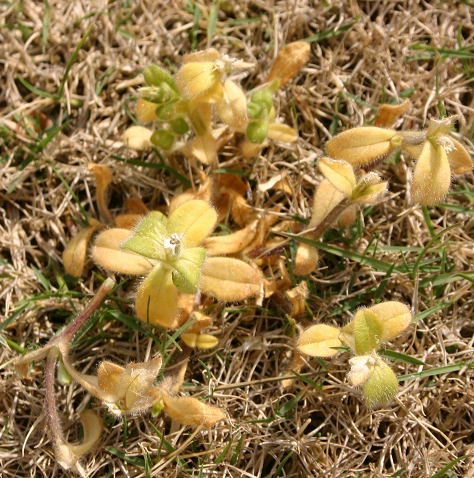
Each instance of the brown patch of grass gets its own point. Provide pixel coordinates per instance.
(328, 432)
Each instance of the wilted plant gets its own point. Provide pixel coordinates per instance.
(170, 253)
(184, 105)
(363, 335)
(436, 152)
(123, 390)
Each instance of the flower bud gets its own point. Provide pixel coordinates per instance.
(257, 131)
(163, 139)
(155, 76)
(179, 125)
(381, 385)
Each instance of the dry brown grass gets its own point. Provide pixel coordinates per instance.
(329, 432)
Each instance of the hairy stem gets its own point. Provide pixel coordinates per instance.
(67, 334)
(50, 398)
(316, 232)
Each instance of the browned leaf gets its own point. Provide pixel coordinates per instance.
(388, 114)
(74, 254)
(289, 62)
(103, 176)
(190, 411)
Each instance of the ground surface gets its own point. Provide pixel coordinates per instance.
(362, 54)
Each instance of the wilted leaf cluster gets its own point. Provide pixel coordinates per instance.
(363, 335)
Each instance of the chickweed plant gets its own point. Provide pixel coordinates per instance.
(181, 267)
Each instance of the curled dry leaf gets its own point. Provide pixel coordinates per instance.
(103, 177)
(388, 114)
(289, 62)
(190, 411)
(68, 455)
(363, 145)
(319, 340)
(231, 243)
(74, 254)
(229, 279)
(297, 297)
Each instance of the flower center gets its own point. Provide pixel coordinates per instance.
(172, 245)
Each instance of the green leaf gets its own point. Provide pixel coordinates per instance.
(368, 330)
(187, 271)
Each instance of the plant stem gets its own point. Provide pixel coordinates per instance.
(67, 334)
(316, 232)
(50, 399)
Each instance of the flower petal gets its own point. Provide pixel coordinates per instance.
(229, 279)
(108, 253)
(194, 220)
(157, 298)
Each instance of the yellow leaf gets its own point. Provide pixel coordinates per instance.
(190, 411)
(127, 221)
(282, 133)
(229, 279)
(340, 173)
(138, 137)
(206, 341)
(306, 259)
(363, 145)
(146, 111)
(204, 148)
(395, 317)
(194, 220)
(232, 109)
(109, 376)
(74, 254)
(249, 149)
(326, 198)
(432, 175)
(189, 339)
(318, 340)
(108, 253)
(157, 298)
(195, 79)
(289, 61)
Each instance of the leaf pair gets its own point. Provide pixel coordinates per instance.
(363, 335)
(169, 252)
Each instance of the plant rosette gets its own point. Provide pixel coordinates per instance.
(168, 252)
